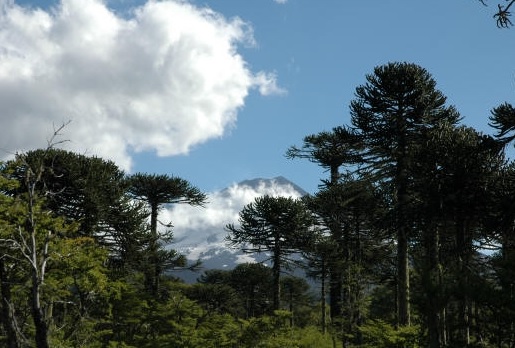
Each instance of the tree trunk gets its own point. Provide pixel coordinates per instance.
(463, 280)
(432, 286)
(8, 318)
(335, 292)
(402, 200)
(335, 273)
(38, 315)
(322, 297)
(403, 278)
(153, 272)
(276, 271)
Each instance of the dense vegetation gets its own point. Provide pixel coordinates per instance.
(409, 242)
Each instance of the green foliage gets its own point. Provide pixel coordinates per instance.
(378, 333)
(80, 266)
(275, 332)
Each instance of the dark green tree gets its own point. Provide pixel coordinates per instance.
(391, 112)
(156, 191)
(92, 192)
(453, 183)
(33, 233)
(296, 296)
(254, 283)
(318, 259)
(355, 205)
(8, 276)
(331, 151)
(503, 14)
(279, 225)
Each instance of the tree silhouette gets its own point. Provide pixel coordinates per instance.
(157, 190)
(279, 225)
(391, 112)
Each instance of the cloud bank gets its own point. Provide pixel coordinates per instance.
(163, 78)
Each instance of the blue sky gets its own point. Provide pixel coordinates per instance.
(271, 73)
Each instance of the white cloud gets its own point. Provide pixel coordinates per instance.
(197, 229)
(267, 83)
(281, 1)
(164, 78)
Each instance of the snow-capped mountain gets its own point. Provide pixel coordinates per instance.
(199, 233)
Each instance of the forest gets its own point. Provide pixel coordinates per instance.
(408, 242)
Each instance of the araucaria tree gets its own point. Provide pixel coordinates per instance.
(392, 111)
(157, 190)
(331, 150)
(279, 225)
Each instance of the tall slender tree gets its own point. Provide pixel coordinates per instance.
(453, 183)
(279, 225)
(156, 191)
(331, 151)
(391, 112)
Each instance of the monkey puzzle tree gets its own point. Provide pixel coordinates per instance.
(391, 112)
(331, 150)
(157, 190)
(503, 14)
(253, 281)
(453, 182)
(279, 225)
(91, 192)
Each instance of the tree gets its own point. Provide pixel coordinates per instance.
(9, 320)
(296, 295)
(157, 190)
(279, 225)
(254, 283)
(91, 192)
(503, 14)
(453, 181)
(34, 231)
(318, 259)
(331, 150)
(391, 112)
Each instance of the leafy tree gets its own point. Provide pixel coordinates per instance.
(355, 205)
(279, 225)
(298, 298)
(502, 119)
(391, 112)
(30, 241)
(318, 259)
(254, 283)
(215, 276)
(378, 333)
(216, 299)
(503, 14)
(91, 192)
(7, 277)
(331, 150)
(157, 190)
(456, 174)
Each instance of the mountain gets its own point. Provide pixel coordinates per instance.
(199, 233)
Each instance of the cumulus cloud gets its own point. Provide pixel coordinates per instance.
(164, 78)
(197, 229)
(281, 1)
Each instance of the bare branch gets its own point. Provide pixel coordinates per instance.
(51, 143)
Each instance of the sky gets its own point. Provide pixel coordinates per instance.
(216, 91)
